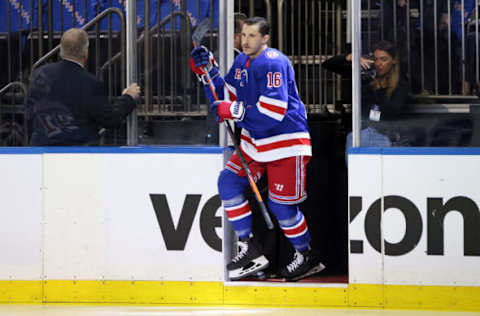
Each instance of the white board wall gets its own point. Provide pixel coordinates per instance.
(90, 216)
(412, 187)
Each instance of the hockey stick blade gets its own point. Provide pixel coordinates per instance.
(200, 31)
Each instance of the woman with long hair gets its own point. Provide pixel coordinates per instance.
(383, 98)
(387, 78)
(384, 93)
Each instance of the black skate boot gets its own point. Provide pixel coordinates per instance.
(248, 261)
(304, 264)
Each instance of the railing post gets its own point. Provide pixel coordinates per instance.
(225, 44)
(349, 22)
(280, 24)
(146, 59)
(225, 39)
(251, 8)
(356, 83)
(268, 6)
(131, 63)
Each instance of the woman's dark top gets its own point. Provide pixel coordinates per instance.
(390, 108)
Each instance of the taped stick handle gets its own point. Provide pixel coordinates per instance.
(253, 185)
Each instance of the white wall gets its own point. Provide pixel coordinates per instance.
(20, 217)
(98, 218)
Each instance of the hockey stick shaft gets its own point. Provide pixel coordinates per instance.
(253, 185)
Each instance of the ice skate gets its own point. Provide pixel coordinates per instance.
(303, 265)
(248, 261)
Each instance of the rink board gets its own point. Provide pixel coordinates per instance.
(414, 220)
(116, 214)
(144, 225)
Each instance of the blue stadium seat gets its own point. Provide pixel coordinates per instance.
(195, 13)
(19, 10)
(72, 12)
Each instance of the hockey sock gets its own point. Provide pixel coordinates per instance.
(240, 216)
(237, 208)
(293, 224)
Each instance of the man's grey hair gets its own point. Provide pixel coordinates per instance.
(73, 44)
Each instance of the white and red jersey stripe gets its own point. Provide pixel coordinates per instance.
(273, 108)
(276, 147)
(231, 92)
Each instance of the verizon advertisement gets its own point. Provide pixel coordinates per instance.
(414, 219)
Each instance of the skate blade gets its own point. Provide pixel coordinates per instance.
(316, 269)
(253, 267)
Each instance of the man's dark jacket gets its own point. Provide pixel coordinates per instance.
(68, 106)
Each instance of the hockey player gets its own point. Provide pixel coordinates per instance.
(259, 93)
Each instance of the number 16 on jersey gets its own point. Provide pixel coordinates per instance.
(274, 79)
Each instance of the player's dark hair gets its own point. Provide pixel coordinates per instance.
(239, 18)
(263, 26)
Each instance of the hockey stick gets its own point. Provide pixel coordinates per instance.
(200, 30)
(253, 185)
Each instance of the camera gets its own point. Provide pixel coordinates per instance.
(371, 72)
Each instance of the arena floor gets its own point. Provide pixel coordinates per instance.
(136, 310)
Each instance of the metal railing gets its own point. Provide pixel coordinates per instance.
(438, 62)
(149, 108)
(169, 88)
(430, 38)
(439, 48)
(21, 85)
(309, 32)
(116, 79)
(13, 120)
(86, 27)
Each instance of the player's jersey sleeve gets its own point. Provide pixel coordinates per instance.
(230, 89)
(224, 87)
(272, 103)
(218, 84)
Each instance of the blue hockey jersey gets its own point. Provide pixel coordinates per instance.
(275, 122)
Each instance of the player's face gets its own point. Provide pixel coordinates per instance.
(383, 62)
(237, 39)
(253, 42)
